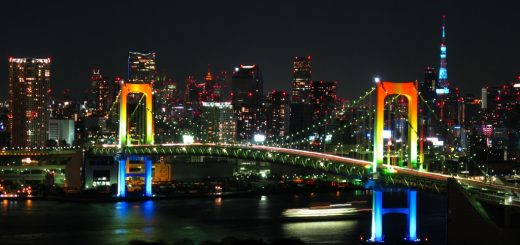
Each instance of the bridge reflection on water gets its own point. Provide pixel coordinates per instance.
(199, 219)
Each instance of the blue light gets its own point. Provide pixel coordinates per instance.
(443, 73)
(442, 91)
(121, 181)
(412, 215)
(378, 211)
(148, 176)
(443, 49)
(377, 216)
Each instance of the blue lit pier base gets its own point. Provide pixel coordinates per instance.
(121, 181)
(378, 211)
(121, 178)
(148, 176)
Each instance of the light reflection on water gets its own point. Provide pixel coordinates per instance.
(201, 219)
(322, 231)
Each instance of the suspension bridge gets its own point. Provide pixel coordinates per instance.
(352, 145)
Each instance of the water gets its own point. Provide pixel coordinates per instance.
(24, 222)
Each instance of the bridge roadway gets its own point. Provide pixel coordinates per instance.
(356, 168)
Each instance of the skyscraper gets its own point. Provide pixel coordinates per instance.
(29, 86)
(302, 71)
(141, 67)
(102, 94)
(277, 114)
(428, 86)
(218, 124)
(443, 70)
(247, 94)
(323, 98)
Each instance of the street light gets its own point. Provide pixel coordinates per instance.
(377, 79)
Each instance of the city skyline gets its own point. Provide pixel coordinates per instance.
(349, 44)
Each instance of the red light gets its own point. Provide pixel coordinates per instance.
(250, 94)
(232, 94)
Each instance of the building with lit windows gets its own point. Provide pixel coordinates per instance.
(277, 114)
(102, 94)
(141, 67)
(301, 86)
(323, 98)
(247, 95)
(29, 86)
(218, 124)
(428, 86)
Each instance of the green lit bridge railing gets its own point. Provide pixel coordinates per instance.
(345, 166)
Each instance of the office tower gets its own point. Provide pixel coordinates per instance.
(29, 86)
(212, 88)
(247, 94)
(218, 124)
(277, 114)
(428, 86)
(302, 71)
(323, 98)
(194, 93)
(102, 94)
(141, 67)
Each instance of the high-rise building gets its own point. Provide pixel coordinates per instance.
(428, 86)
(277, 114)
(247, 95)
(443, 69)
(218, 124)
(29, 86)
(323, 98)
(212, 88)
(141, 67)
(301, 86)
(102, 94)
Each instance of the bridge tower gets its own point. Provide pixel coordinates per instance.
(378, 211)
(126, 89)
(409, 90)
(125, 140)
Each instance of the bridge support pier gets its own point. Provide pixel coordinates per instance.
(378, 211)
(122, 173)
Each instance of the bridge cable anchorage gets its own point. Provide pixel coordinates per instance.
(323, 121)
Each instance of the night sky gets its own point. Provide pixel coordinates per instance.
(349, 41)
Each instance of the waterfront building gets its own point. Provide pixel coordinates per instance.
(29, 87)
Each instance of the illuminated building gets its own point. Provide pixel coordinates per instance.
(247, 94)
(218, 124)
(212, 88)
(29, 86)
(323, 98)
(62, 131)
(102, 94)
(301, 86)
(194, 92)
(141, 67)
(277, 113)
(428, 86)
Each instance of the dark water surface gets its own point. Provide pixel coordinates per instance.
(49, 222)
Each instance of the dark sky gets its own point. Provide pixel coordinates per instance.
(350, 41)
